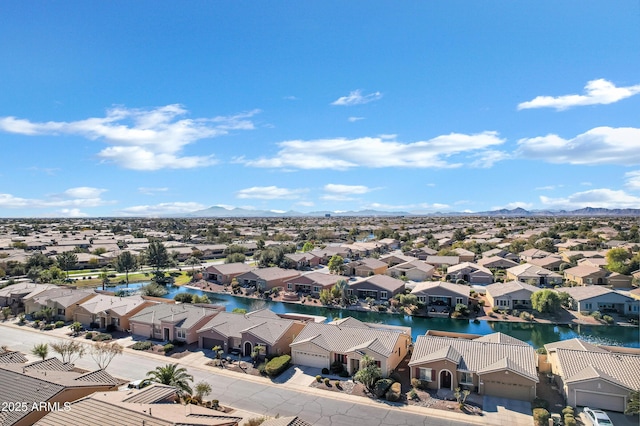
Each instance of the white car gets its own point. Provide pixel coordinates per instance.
(597, 417)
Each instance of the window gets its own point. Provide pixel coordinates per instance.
(588, 306)
(316, 289)
(458, 300)
(60, 311)
(467, 378)
(341, 358)
(422, 299)
(425, 374)
(383, 295)
(290, 286)
(181, 333)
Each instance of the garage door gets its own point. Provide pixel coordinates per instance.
(598, 400)
(208, 343)
(507, 390)
(310, 359)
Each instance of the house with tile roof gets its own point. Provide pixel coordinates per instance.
(365, 267)
(597, 298)
(312, 282)
(496, 262)
(534, 275)
(589, 375)
(152, 406)
(13, 295)
(267, 278)
(346, 342)
(301, 261)
(471, 273)
(510, 295)
(109, 312)
(415, 270)
(440, 293)
(63, 301)
(223, 274)
(50, 382)
(486, 365)
(170, 322)
(379, 287)
(551, 263)
(586, 275)
(243, 332)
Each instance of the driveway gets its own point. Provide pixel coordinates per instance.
(618, 419)
(506, 412)
(298, 375)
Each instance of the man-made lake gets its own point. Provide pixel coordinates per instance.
(535, 334)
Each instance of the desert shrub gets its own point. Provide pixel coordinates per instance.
(393, 394)
(481, 302)
(59, 324)
(381, 387)
(256, 421)
(325, 370)
(540, 417)
(49, 326)
(278, 365)
(262, 368)
(540, 403)
(168, 347)
(336, 367)
(515, 313)
(415, 383)
(413, 394)
(569, 421)
(608, 319)
(568, 410)
(337, 384)
(142, 346)
(596, 314)
(327, 382)
(318, 378)
(89, 335)
(495, 309)
(100, 337)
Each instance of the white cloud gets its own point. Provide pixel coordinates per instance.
(161, 209)
(270, 193)
(602, 198)
(84, 197)
(601, 145)
(338, 192)
(357, 98)
(141, 139)
(305, 203)
(72, 213)
(486, 159)
(375, 152)
(633, 180)
(597, 92)
(586, 183)
(548, 187)
(515, 205)
(151, 191)
(354, 119)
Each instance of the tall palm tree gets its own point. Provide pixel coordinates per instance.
(171, 375)
(341, 288)
(126, 262)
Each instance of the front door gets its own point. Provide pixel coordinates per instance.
(166, 334)
(445, 379)
(247, 348)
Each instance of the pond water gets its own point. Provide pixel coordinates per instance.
(535, 334)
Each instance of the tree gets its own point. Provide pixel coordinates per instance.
(76, 328)
(171, 375)
(545, 301)
(200, 299)
(325, 297)
(6, 313)
(104, 277)
(41, 350)
(340, 291)
(104, 352)
(235, 258)
(218, 351)
(369, 373)
(308, 246)
(67, 260)
(633, 404)
(193, 262)
(126, 262)
(336, 264)
(202, 389)
(616, 259)
(158, 258)
(69, 350)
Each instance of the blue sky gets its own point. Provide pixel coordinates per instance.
(153, 107)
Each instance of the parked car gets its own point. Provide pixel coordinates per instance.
(597, 417)
(139, 384)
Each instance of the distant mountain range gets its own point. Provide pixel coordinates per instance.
(223, 212)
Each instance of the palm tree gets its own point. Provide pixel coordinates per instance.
(193, 261)
(66, 261)
(41, 350)
(171, 375)
(126, 262)
(341, 289)
(202, 389)
(104, 276)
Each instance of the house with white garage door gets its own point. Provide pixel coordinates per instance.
(347, 341)
(593, 376)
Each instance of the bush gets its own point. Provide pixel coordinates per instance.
(59, 324)
(277, 365)
(142, 346)
(381, 387)
(413, 394)
(336, 367)
(327, 382)
(325, 370)
(540, 403)
(393, 394)
(596, 314)
(569, 421)
(567, 410)
(89, 335)
(343, 373)
(415, 383)
(49, 326)
(608, 319)
(540, 417)
(495, 309)
(585, 313)
(100, 337)
(318, 378)
(168, 347)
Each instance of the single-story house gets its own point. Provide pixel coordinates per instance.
(465, 255)
(303, 260)
(13, 295)
(312, 283)
(551, 263)
(597, 298)
(586, 275)
(267, 278)
(441, 293)
(379, 287)
(505, 367)
(510, 295)
(231, 330)
(63, 301)
(415, 270)
(365, 267)
(393, 259)
(103, 311)
(442, 261)
(225, 273)
(534, 275)
(533, 253)
(347, 341)
(170, 322)
(471, 273)
(589, 375)
(496, 262)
